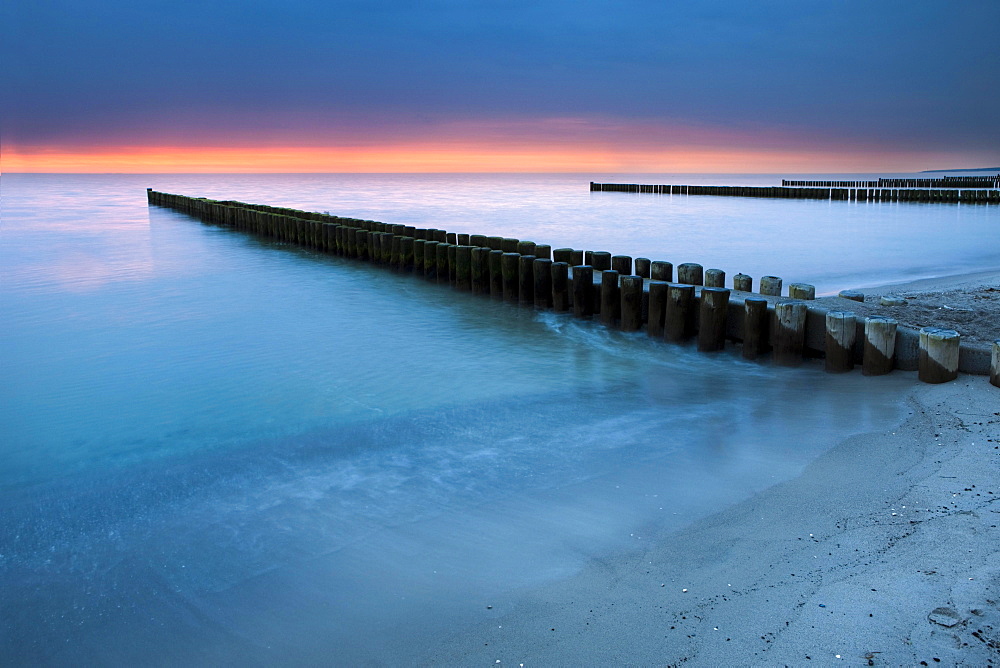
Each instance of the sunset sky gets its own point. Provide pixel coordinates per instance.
(466, 85)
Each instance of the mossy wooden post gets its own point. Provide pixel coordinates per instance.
(542, 274)
(452, 263)
(478, 240)
(562, 255)
(801, 291)
(610, 300)
(430, 259)
(463, 239)
(526, 247)
(770, 286)
(715, 278)
(880, 346)
(622, 264)
(452, 238)
(560, 286)
(583, 289)
(418, 255)
(788, 332)
(661, 271)
(657, 307)
(509, 265)
(588, 259)
(690, 273)
(631, 303)
(463, 267)
(496, 274)
(495, 243)
(442, 262)
(938, 357)
(406, 253)
(543, 251)
(601, 260)
(742, 283)
(841, 330)
(642, 265)
(480, 270)
(576, 258)
(526, 280)
(395, 248)
(362, 244)
(754, 327)
(995, 364)
(509, 245)
(678, 317)
(712, 319)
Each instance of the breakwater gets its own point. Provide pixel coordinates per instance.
(632, 294)
(943, 182)
(873, 193)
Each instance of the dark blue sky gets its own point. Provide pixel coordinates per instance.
(892, 76)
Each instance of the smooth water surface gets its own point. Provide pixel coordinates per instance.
(217, 449)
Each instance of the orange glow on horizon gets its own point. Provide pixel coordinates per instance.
(451, 157)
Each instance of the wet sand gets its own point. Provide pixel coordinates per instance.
(885, 551)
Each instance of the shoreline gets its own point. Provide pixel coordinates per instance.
(886, 549)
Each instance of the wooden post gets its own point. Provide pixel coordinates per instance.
(770, 285)
(880, 346)
(583, 287)
(801, 291)
(480, 270)
(496, 274)
(406, 253)
(451, 238)
(430, 259)
(526, 247)
(509, 245)
(841, 330)
(526, 279)
(938, 359)
(712, 319)
(543, 251)
(743, 283)
(478, 240)
(754, 327)
(661, 271)
(995, 364)
(622, 264)
(562, 255)
(788, 332)
(853, 295)
(657, 307)
(601, 260)
(463, 240)
(690, 273)
(442, 262)
(560, 286)
(495, 243)
(452, 263)
(715, 278)
(610, 300)
(418, 255)
(631, 303)
(576, 258)
(642, 267)
(509, 265)
(463, 267)
(677, 317)
(542, 272)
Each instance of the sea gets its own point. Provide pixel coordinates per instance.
(217, 449)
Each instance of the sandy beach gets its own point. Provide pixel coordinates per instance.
(885, 551)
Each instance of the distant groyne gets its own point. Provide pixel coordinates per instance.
(824, 190)
(631, 294)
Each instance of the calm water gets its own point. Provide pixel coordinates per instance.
(219, 450)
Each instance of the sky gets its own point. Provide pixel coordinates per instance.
(494, 86)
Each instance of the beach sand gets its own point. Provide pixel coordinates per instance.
(884, 551)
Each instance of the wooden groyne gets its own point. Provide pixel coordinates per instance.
(976, 195)
(595, 284)
(943, 182)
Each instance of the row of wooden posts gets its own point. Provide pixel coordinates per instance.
(943, 182)
(597, 284)
(869, 194)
